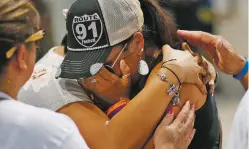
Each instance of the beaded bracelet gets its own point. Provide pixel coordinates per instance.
(173, 89)
(162, 66)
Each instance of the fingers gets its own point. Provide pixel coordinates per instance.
(191, 136)
(211, 87)
(205, 64)
(202, 37)
(189, 124)
(168, 119)
(126, 75)
(201, 86)
(203, 71)
(208, 42)
(222, 45)
(199, 58)
(182, 116)
(167, 52)
(107, 75)
(210, 79)
(186, 47)
(206, 79)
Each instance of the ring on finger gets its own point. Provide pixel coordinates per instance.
(127, 75)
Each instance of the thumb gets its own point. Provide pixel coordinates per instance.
(167, 52)
(126, 73)
(223, 45)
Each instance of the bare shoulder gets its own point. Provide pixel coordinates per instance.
(90, 121)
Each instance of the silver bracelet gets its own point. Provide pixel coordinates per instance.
(173, 89)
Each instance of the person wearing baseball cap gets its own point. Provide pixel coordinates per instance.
(106, 40)
(94, 28)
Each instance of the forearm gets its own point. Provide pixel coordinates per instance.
(244, 81)
(139, 118)
(165, 147)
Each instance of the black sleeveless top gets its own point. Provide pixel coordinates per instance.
(206, 124)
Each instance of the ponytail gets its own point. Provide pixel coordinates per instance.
(159, 26)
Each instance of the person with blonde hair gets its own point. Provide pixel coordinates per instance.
(23, 126)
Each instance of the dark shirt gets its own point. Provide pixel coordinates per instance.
(207, 126)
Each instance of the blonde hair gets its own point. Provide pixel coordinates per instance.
(17, 17)
(18, 20)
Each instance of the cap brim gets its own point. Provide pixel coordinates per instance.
(77, 65)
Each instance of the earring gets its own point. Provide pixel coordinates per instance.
(142, 67)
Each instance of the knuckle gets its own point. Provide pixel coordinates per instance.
(219, 37)
(185, 112)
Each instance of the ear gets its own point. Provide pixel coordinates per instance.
(21, 58)
(138, 42)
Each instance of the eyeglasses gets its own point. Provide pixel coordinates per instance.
(34, 37)
(110, 68)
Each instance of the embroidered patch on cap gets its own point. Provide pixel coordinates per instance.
(87, 29)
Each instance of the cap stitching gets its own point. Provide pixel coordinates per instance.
(87, 49)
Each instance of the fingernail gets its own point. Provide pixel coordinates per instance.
(188, 104)
(168, 46)
(170, 111)
(122, 62)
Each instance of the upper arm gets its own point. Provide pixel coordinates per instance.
(188, 92)
(90, 121)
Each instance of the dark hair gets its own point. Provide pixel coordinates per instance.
(16, 24)
(159, 25)
(159, 29)
(64, 43)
